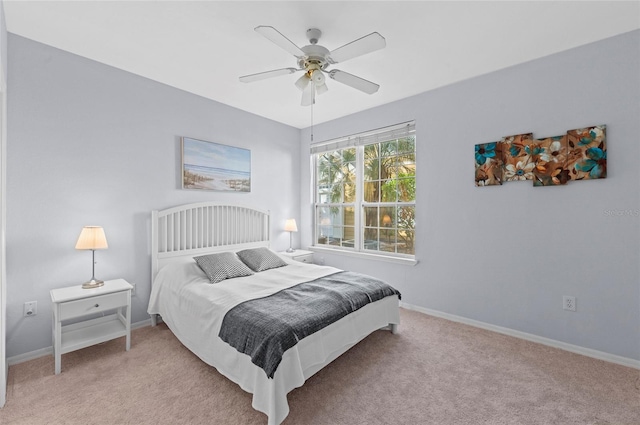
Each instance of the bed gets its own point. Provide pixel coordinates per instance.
(194, 309)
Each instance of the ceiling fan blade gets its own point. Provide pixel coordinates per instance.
(353, 81)
(268, 74)
(276, 37)
(308, 95)
(362, 46)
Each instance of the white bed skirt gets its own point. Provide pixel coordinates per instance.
(298, 363)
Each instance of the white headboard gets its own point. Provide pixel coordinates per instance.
(205, 227)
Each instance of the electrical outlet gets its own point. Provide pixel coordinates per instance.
(569, 303)
(30, 308)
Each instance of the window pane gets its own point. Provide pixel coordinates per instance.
(370, 216)
(324, 195)
(335, 234)
(348, 237)
(330, 194)
(371, 191)
(406, 217)
(330, 171)
(322, 170)
(349, 172)
(387, 216)
(370, 238)
(371, 151)
(388, 240)
(349, 155)
(405, 242)
(388, 191)
(388, 148)
(323, 221)
(407, 189)
(336, 193)
(349, 192)
(409, 158)
(349, 216)
(406, 232)
(372, 169)
(407, 144)
(349, 233)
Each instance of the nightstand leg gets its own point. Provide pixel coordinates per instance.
(128, 322)
(57, 339)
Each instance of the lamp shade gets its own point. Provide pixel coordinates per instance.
(92, 237)
(290, 225)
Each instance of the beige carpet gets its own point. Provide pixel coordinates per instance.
(433, 372)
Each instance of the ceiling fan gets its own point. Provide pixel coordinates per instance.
(314, 60)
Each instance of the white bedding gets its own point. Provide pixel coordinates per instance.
(193, 309)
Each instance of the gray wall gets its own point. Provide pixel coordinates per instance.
(505, 255)
(90, 144)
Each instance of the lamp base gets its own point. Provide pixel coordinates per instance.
(291, 250)
(93, 283)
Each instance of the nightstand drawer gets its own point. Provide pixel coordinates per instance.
(308, 258)
(71, 309)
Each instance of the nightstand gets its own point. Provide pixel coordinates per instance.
(74, 302)
(299, 255)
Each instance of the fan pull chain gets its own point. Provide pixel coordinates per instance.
(312, 118)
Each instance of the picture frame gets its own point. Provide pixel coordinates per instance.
(214, 166)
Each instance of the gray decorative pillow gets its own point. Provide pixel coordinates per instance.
(261, 259)
(221, 266)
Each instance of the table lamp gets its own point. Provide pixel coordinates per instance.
(92, 237)
(290, 226)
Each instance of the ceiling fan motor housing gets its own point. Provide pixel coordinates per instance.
(315, 57)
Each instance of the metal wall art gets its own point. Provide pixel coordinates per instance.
(580, 154)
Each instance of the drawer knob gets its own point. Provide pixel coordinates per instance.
(97, 305)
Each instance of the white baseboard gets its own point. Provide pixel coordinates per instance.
(48, 351)
(600, 355)
(25, 357)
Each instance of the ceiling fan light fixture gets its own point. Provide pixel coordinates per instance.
(318, 77)
(322, 89)
(303, 81)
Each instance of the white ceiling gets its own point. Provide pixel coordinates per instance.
(204, 46)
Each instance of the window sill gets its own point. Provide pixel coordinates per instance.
(365, 255)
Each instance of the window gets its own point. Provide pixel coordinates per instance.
(365, 191)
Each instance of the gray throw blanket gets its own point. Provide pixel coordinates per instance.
(265, 328)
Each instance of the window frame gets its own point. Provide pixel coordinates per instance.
(359, 142)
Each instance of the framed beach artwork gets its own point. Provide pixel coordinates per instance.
(213, 166)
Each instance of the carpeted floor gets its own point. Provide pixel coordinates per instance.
(433, 372)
